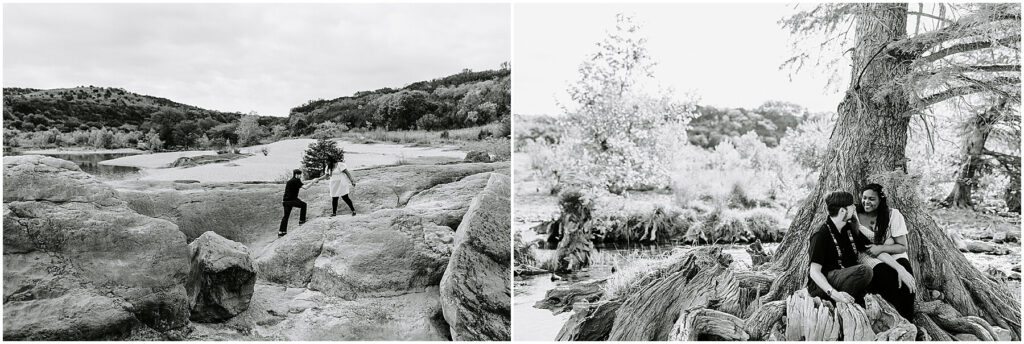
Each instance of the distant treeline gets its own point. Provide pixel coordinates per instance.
(462, 100)
(707, 129)
(456, 101)
(770, 121)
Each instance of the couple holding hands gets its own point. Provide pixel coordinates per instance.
(341, 181)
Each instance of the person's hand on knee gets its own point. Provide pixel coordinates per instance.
(904, 277)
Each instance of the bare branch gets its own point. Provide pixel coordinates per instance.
(929, 15)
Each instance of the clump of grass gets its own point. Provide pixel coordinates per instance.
(633, 271)
(523, 253)
(730, 228)
(765, 224)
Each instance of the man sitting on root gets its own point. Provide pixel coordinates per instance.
(834, 271)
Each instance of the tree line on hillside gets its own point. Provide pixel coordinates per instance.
(114, 118)
(462, 100)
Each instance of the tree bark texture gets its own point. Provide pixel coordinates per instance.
(701, 279)
(591, 323)
(562, 298)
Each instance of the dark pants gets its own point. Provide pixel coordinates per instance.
(853, 280)
(288, 205)
(884, 284)
(334, 204)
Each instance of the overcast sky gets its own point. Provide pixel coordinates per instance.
(266, 58)
(727, 54)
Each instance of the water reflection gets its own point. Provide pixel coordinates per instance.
(90, 163)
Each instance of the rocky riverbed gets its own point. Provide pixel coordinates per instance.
(91, 260)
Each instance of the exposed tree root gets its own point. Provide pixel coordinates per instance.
(982, 247)
(700, 279)
(708, 324)
(757, 254)
(561, 298)
(952, 322)
(766, 319)
(808, 318)
(590, 323)
(699, 298)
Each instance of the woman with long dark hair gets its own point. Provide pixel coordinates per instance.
(341, 180)
(893, 277)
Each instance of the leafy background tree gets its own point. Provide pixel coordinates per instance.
(621, 134)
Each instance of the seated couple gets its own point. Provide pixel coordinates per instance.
(845, 264)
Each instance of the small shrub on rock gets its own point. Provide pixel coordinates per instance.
(477, 156)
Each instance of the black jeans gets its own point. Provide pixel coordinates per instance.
(334, 204)
(853, 280)
(884, 284)
(288, 205)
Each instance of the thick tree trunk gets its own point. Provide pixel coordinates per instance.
(973, 158)
(868, 145)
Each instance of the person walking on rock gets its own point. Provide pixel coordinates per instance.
(341, 181)
(291, 200)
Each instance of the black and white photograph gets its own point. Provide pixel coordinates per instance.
(257, 171)
(766, 172)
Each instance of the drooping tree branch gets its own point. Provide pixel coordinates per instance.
(970, 26)
(1009, 162)
(965, 90)
(972, 46)
(995, 68)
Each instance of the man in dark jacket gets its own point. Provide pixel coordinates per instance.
(291, 200)
(834, 272)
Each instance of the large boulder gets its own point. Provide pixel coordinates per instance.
(447, 203)
(220, 282)
(80, 314)
(299, 314)
(475, 288)
(245, 213)
(43, 178)
(289, 260)
(388, 252)
(79, 239)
